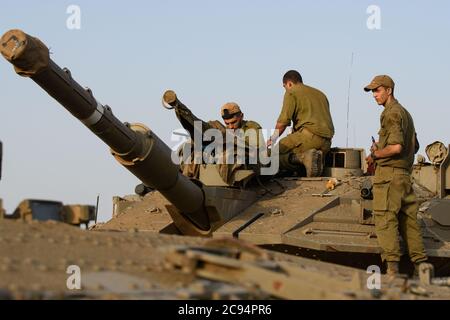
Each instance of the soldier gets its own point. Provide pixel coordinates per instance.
(232, 116)
(312, 127)
(234, 119)
(394, 204)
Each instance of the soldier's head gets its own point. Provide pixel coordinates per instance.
(232, 115)
(291, 78)
(382, 88)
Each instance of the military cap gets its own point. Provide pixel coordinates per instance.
(379, 81)
(229, 110)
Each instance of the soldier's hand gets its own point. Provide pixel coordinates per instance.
(269, 143)
(374, 147)
(369, 160)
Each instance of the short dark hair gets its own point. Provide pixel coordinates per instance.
(292, 75)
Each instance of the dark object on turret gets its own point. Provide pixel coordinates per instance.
(141, 189)
(366, 190)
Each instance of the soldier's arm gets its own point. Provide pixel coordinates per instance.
(387, 152)
(279, 129)
(285, 118)
(191, 122)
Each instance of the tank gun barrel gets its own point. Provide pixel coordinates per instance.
(136, 147)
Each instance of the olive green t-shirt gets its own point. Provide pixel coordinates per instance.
(248, 124)
(309, 108)
(397, 127)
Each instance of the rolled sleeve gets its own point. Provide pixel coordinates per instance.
(287, 112)
(395, 130)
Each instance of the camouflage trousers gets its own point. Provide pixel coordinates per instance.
(395, 210)
(299, 142)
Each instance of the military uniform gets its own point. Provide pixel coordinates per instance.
(252, 139)
(252, 125)
(187, 120)
(394, 204)
(312, 127)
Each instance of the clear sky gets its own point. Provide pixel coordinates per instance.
(209, 52)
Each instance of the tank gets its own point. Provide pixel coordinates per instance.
(327, 218)
(44, 210)
(49, 210)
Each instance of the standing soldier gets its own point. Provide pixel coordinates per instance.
(312, 127)
(394, 204)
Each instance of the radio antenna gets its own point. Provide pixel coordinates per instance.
(348, 95)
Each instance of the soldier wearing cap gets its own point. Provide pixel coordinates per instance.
(234, 119)
(394, 204)
(231, 113)
(312, 127)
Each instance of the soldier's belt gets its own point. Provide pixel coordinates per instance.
(391, 170)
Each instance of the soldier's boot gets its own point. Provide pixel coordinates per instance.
(311, 159)
(422, 267)
(392, 268)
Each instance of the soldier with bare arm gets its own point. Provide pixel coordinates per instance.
(312, 127)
